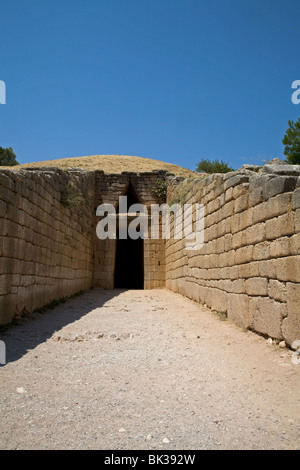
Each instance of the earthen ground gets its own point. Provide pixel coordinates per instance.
(144, 370)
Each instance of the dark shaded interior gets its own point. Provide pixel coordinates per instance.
(129, 267)
(129, 270)
(132, 197)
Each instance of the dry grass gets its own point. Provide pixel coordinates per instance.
(111, 164)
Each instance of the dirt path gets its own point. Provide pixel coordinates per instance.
(144, 370)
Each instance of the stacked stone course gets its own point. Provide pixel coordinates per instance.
(249, 266)
(46, 247)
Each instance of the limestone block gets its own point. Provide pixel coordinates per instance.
(235, 180)
(280, 247)
(246, 218)
(231, 258)
(253, 269)
(259, 213)
(261, 251)
(279, 184)
(238, 310)
(277, 290)
(266, 316)
(236, 240)
(235, 223)
(280, 226)
(295, 244)
(7, 265)
(291, 324)
(12, 212)
(257, 286)
(227, 210)
(3, 209)
(228, 242)
(297, 220)
(209, 296)
(223, 260)
(219, 300)
(238, 286)
(241, 203)
(228, 224)
(212, 206)
(255, 197)
(243, 255)
(244, 271)
(240, 190)
(5, 284)
(296, 199)
(232, 272)
(281, 168)
(255, 234)
(221, 228)
(278, 205)
(6, 181)
(288, 268)
(228, 195)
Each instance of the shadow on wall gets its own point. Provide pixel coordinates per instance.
(39, 327)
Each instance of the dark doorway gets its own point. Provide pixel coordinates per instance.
(129, 269)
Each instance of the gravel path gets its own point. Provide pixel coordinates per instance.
(144, 370)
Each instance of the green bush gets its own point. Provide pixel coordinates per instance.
(8, 157)
(160, 188)
(215, 166)
(291, 141)
(70, 197)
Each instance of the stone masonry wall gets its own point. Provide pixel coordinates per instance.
(45, 237)
(108, 189)
(249, 266)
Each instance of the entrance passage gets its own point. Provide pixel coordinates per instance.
(129, 269)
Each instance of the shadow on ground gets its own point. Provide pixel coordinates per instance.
(36, 328)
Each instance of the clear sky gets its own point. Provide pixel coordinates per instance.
(174, 80)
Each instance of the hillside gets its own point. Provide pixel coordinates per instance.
(111, 164)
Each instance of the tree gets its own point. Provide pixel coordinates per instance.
(8, 157)
(214, 166)
(291, 141)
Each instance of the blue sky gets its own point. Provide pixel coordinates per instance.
(174, 80)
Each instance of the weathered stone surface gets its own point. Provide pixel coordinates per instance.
(267, 315)
(238, 310)
(253, 237)
(280, 184)
(288, 268)
(282, 169)
(235, 180)
(291, 324)
(277, 161)
(277, 290)
(296, 199)
(257, 286)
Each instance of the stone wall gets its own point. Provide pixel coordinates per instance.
(45, 237)
(108, 189)
(249, 266)
(247, 269)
